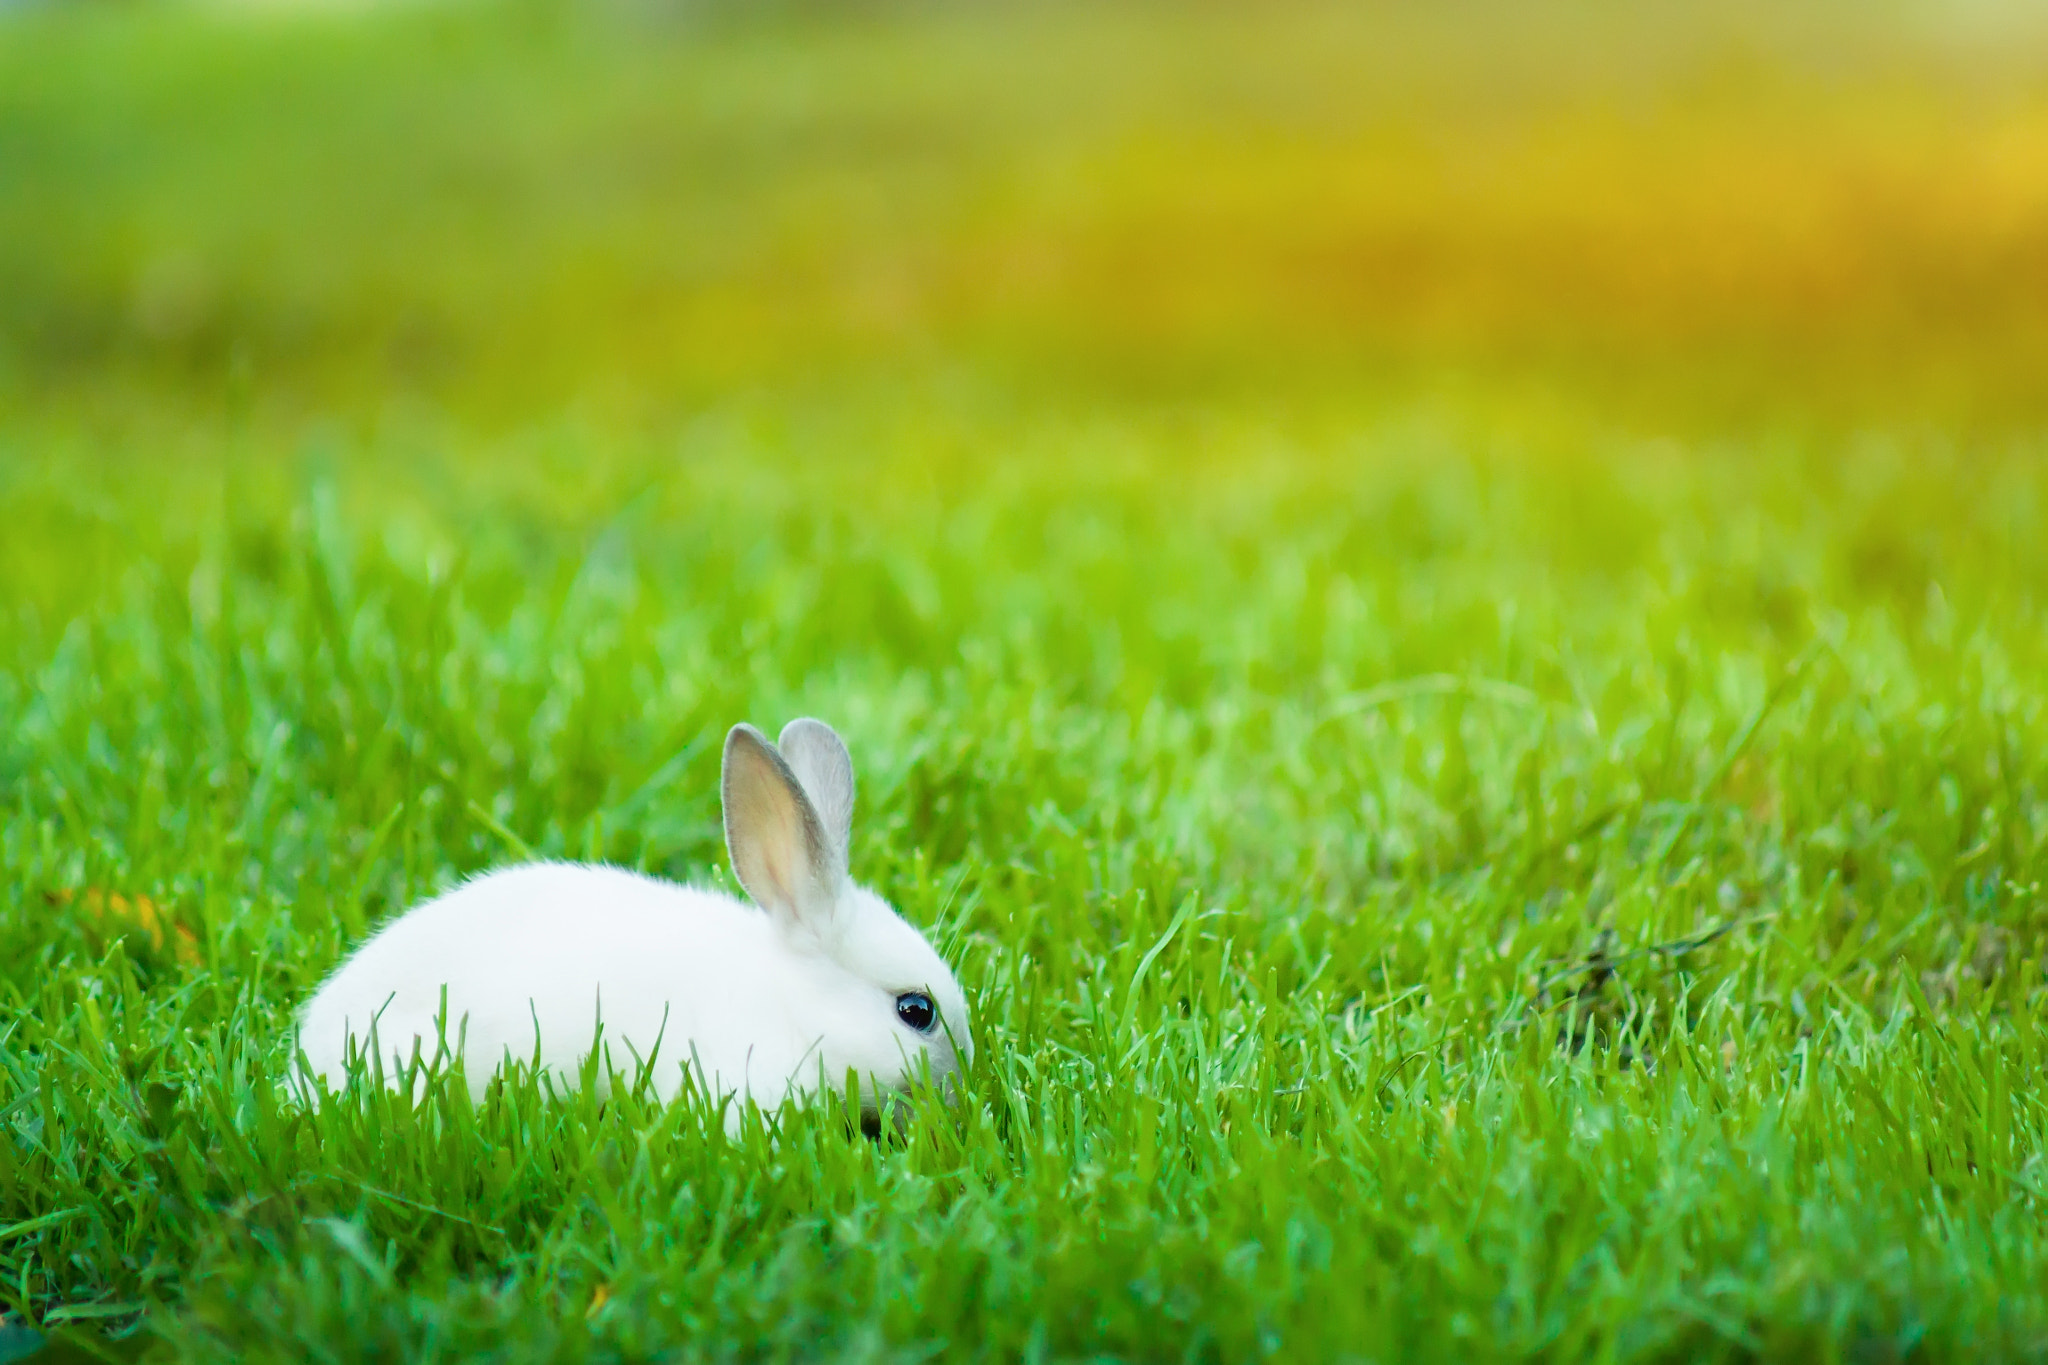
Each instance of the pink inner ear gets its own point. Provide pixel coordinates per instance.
(769, 851)
(781, 849)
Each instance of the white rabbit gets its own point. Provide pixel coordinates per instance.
(761, 1003)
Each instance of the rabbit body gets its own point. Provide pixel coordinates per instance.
(766, 1001)
(541, 954)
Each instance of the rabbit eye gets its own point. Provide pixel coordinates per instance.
(915, 1009)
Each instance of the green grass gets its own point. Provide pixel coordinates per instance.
(1446, 864)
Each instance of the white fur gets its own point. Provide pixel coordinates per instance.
(760, 1003)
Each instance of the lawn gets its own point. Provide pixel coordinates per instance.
(1441, 612)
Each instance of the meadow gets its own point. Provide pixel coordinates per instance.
(1439, 610)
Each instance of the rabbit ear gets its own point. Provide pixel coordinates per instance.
(818, 757)
(780, 850)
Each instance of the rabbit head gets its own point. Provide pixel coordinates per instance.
(879, 1001)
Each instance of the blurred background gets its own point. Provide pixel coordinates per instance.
(1692, 213)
